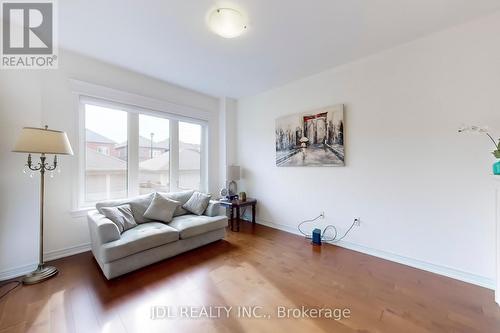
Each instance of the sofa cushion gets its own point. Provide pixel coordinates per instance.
(121, 216)
(143, 237)
(182, 197)
(193, 225)
(137, 204)
(161, 208)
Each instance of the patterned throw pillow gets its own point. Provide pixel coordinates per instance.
(137, 204)
(121, 216)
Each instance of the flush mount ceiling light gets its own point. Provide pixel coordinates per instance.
(227, 22)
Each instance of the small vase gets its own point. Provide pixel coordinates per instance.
(496, 168)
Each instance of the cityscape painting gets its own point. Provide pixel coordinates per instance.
(314, 138)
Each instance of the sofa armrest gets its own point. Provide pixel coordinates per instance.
(102, 230)
(213, 208)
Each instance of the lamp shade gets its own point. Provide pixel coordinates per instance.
(233, 173)
(43, 141)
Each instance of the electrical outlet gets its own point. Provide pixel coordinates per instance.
(357, 221)
(322, 215)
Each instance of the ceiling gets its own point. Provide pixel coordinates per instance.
(285, 40)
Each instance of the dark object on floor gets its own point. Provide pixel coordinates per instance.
(316, 236)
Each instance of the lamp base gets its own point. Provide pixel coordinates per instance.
(40, 274)
(232, 188)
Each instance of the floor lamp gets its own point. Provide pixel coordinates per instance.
(42, 141)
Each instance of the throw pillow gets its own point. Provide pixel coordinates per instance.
(197, 203)
(161, 208)
(182, 197)
(121, 216)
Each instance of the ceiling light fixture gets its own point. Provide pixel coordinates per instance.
(227, 22)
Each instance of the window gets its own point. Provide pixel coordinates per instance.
(189, 155)
(128, 151)
(154, 154)
(105, 169)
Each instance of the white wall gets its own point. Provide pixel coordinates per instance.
(34, 98)
(227, 137)
(423, 191)
(18, 206)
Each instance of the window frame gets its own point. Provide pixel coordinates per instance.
(135, 105)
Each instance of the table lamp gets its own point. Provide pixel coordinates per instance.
(233, 174)
(42, 141)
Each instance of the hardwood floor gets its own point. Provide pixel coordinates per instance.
(258, 266)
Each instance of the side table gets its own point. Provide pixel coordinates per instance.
(234, 207)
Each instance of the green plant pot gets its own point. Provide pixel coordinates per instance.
(496, 168)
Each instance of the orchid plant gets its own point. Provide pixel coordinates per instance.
(479, 129)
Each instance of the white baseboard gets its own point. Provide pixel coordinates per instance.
(16, 271)
(69, 251)
(426, 266)
(48, 256)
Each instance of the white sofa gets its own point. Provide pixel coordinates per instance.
(150, 241)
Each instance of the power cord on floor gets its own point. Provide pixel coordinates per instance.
(333, 239)
(16, 284)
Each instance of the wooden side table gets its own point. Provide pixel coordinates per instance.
(234, 207)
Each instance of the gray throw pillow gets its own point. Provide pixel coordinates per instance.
(182, 197)
(121, 216)
(197, 203)
(161, 208)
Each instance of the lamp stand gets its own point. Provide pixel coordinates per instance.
(42, 272)
(232, 188)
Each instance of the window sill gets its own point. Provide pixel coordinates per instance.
(81, 212)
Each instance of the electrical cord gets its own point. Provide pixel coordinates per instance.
(307, 221)
(333, 239)
(242, 215)
(17, 284)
